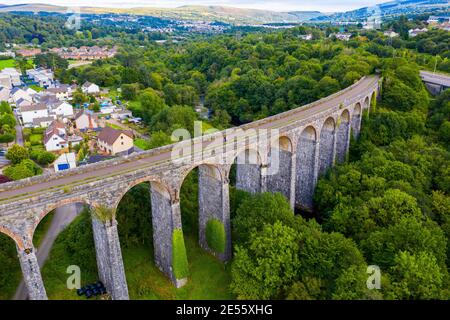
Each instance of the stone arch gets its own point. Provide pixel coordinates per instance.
(305, 167)
(248, 170)
(16, 238)
(279, 173)
(356, 119)
(373, 100)
(343, 136)
(48, 209)
(366, 103)
(326, 146)
(213, 204)
(152, 180)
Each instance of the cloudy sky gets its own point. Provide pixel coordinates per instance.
(277, 5)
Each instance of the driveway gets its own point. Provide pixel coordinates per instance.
(63, 216)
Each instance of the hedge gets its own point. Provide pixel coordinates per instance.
(179, 257)
(215, 235)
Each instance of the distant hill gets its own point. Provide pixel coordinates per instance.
(387, 9)
(241, 16)
(206, 13)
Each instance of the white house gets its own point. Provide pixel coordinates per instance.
(391, 34)
(33, 111)
(108, 109)
(62, 108)
(61, 93)
(414, 32)
(5, 81)
(18, 93)
(4, 93)
(90, 88)
(306, 36)
(343, 36)
(55, 137)
(85, 121)
(44, 77)
(65, 161)
(13, 75)
(43, 122)
(22, 103)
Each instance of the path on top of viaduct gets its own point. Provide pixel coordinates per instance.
(284, 153)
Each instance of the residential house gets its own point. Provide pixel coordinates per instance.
(307, 37)
(86, 121)
(5, 81)
(22, 103)
(90, 88)
(63, 92)
(43, 122)
(18, 93)
(342, 36)
(62, 109)
(29, 52)
(65, 161)
(113, 142)
(13, 75)
(55, 137)
(33, 111)
(122, 114)
(4, 93)
(391, 34)
(414, 32)
(43, 77)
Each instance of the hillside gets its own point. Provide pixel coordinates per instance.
(207, 13)
(389, 9)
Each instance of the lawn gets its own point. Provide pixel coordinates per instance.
(141, 143)
(9, 63)
(36, 88)
(114, 126)
(209, 278)
(35, 139)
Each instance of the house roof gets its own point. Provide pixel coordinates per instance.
(110, 135)
(33, 107)
(60, 89)
(38, 121)
(86, 84)
(53, 129)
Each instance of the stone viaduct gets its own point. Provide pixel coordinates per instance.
(309, 140)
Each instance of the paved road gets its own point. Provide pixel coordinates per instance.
(19, 133)
(295, 115)
(63, 216)
(436, 78)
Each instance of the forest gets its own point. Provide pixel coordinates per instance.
(387, 205)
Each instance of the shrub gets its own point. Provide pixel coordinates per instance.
(16, 154)
(7, 138)
(215, 235)
(179, 257)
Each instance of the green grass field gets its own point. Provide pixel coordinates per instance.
(209, 278)
(141, 143)
(7, 64)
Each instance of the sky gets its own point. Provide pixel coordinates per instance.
(277, 5)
